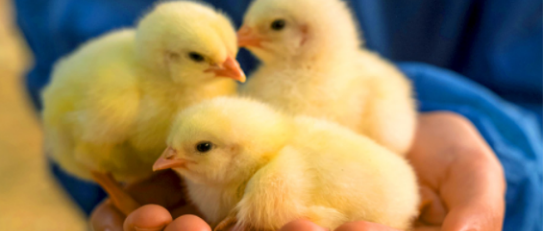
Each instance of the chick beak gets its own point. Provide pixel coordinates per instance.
(246, 38)
(230, 68)
(167, 161)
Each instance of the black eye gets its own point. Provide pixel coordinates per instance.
(204, 147)
(278, 24)
(196, 57)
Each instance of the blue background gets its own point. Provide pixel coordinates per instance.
(485, 56)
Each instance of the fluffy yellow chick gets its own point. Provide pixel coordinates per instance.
(245, 163)
(313, 64)
(110, 104)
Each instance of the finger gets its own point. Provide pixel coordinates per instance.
(188, 223)
(148, 218)
(106, 217)
(434, 212)
(474, 192)
(363, 226)
(429, 153)
(302, 225)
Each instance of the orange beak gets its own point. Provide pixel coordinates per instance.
(167, 161)
(230, 68)
(246, 38)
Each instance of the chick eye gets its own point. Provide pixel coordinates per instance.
(204, 147)
(196, 57)
(278, 24)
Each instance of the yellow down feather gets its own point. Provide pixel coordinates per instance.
(109, 105)
(266, 169)
(316, 66)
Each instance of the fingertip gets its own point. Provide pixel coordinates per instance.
(363, 225)
(188, 223)
(302, 225)
(149, 218)
(106, 217)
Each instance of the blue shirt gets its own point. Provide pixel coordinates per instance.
(486, 57)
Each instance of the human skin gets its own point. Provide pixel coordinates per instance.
(458, 174)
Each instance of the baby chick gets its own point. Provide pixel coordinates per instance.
(245, 163)
(110, 103)
(313, 64)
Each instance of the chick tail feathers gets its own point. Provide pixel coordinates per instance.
(59, 146)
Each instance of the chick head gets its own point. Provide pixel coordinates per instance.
(188, 42)
(277, 30)
(225, 140)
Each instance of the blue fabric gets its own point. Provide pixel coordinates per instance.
(495, 43)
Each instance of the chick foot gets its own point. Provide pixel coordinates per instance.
(121, 199)
(229, 223)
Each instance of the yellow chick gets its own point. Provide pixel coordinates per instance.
(110, 104)
(313, 64)
(245, 163)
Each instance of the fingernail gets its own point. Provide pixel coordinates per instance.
(148, 229)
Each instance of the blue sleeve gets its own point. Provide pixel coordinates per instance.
(511, 131)
(496, 43)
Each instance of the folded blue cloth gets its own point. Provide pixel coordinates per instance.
(495, 43)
